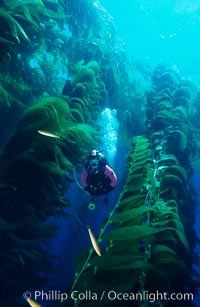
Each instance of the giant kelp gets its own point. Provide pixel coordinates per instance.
(60, 35)
(94, 38)
(150, 246)
(34, 167)
(21, 21)
(25, 26)
(35, 172)
(151, 210)
(84, 92)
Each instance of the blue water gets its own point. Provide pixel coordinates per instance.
(160, 30)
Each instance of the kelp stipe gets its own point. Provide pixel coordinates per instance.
(86, 263)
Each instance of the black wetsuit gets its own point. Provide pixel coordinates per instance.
(98, 182)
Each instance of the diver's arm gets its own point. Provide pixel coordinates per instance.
(84, 175)
(111, 174)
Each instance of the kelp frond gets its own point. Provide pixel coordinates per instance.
(14, 27)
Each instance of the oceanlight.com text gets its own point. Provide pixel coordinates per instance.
(88, 295)
(149, 296)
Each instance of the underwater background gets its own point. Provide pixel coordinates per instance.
(118, 76)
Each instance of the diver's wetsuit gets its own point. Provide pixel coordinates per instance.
(100, 182)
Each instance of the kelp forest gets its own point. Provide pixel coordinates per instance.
(61, 64)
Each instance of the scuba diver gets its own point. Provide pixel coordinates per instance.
(97, 177)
